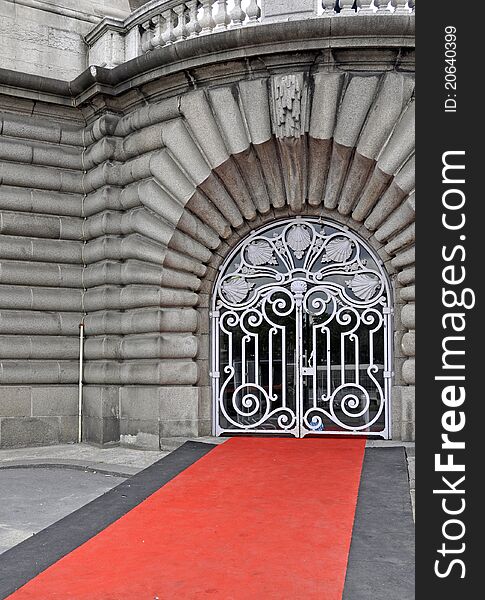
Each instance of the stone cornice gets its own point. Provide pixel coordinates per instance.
(362, 42)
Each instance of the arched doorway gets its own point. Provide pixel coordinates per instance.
(301, 330)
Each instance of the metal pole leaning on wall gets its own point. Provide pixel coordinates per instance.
(80, 398)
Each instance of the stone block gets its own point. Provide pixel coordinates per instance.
(139, 434)
(398, 351)
(7, 9)
(205, 427)
(15, 401)
(132, 427)
(204, 347)
(186, 428)
(254, 98)
(101, 431)
(108, 51)
(409, 371)
(408, 402)
(40, 42)
(408, 294)
(384, 255)
(354, 109)
(65, 41)
(409, 343)
(393, 95)
(403, 413)
(328, 87)
(92, 429)
(407, 276)
(18, 432)
(398, 367)
(286, 10)
(396, 413)
(178, 403)
(68, 430)
(206, 286)
(140, 403)
(101, 401)
(408, 431)
(132, 44)
(204, 300)
(204, 369)
(397, 322)
(55, 401)
(205, 403)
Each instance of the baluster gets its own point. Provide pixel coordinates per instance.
(221, 19)
(206, 21)
(180, 31)
(167, 34)
(365, 7)
(156, 40)
(145, 37)
(328, 8)
(254, 12)
(237, 14)
(346, 7)
(401, 7)
(381, 6)
(193, 27)
(411, 4)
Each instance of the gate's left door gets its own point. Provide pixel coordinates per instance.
(256, 379)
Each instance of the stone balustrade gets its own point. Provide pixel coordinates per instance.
(161, 23)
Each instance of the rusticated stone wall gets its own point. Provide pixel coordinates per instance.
(123, 218)
(41, 296)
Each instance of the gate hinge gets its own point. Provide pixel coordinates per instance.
(214, 314)
(388, 311)
(215, 374)
(388, 374)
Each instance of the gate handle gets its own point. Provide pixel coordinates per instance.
(309, 369)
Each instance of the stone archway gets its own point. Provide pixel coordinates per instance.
(194, 174)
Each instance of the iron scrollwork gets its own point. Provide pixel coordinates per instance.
(300, 288)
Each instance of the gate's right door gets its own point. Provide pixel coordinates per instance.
(345, 367)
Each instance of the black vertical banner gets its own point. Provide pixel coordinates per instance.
(450, 270)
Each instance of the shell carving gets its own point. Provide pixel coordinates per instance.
(261, 253)
(235, 289)
(364, 286)
(338, 250)
(299, 239)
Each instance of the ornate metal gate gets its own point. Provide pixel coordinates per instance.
(302, 334)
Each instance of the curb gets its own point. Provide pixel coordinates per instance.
(91, 466)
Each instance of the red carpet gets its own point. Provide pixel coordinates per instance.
(253, 519)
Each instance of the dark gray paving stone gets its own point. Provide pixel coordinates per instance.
(381, 560)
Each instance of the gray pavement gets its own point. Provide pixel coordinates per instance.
(39, 486)
(113, 460)
(32, 499)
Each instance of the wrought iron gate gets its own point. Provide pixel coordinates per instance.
(302, 334)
